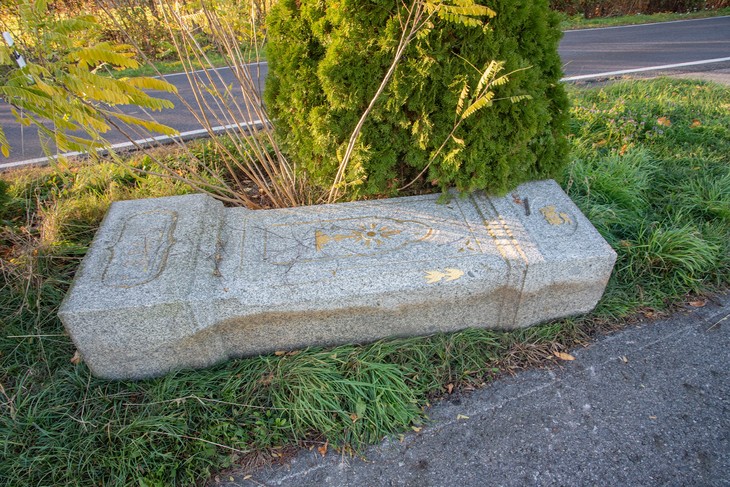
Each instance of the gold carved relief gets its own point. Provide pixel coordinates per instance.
(553, 217)
(366, 235)
(449, 274)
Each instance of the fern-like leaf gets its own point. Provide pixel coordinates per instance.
(462, 98)
(484, 101)
(69, 26)
(4, 145)
(150, 125)
(147, 83)
(458, 141)
(90, 57)
(519, 98)
(15, 93)
(492, 69)
(501, 81)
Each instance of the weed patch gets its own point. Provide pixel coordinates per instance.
(580, 22)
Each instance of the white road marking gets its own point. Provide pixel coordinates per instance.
(222, 68)
(641, 70)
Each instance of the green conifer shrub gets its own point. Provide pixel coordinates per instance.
(327, 58)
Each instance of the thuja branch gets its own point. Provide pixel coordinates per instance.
(420, 14)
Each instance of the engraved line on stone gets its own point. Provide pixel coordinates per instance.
(474, 239)
(523, 279)
(497, 242)
(553, 217)
(449, 274)
(513, 240)
(505, 230)
(146, 255)
(322, 239)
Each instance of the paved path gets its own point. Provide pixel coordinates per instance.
(646, 406)
(584, 53)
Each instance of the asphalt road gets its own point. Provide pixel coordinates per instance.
(647, 406)
(661, 48)
(595, 51)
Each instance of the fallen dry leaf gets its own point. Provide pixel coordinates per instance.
(323, 449)
(664, 121)
(461, 416)
(652, 417)
(698, 303)
(516, 198)
(247, 477)
(695, 123)
(76, 359)
(279, 353)
(624, 359)
(563, 356)
(449, 388)
(354, 417)
(417, 429)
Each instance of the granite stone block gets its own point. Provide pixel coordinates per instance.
(183, 282)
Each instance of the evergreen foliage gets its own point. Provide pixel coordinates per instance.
(326, 60)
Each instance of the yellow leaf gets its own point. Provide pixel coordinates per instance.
(695, 123)
(563, 356)
(664, 121)
(416, 429)
(76, 359)
(461, 416)
(147, 83)
(484, 101)
(323, 449)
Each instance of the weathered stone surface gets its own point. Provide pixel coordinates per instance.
(182, 282)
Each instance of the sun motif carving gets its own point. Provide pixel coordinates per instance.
(374, 233)
(366, 235)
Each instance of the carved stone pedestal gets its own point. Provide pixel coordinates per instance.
(183, 282)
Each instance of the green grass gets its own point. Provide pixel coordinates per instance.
(650, 168)
(579, 22)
